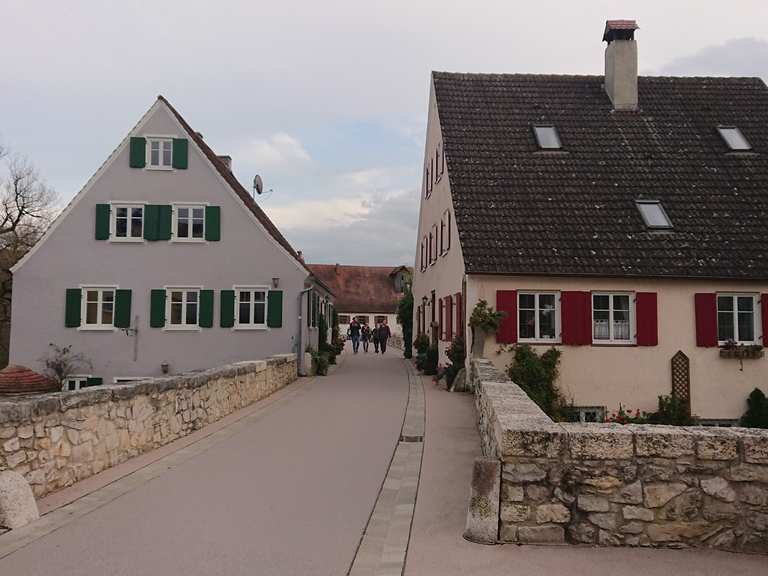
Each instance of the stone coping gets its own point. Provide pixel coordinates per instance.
(28, 406)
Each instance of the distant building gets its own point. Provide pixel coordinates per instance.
(371, 293)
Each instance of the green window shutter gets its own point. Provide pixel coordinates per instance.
(275, 309)
(206, 309)
(122, 309)
(309, 308)
(157, 308)
(227, 308)
(180, 149)
(94, 381)
(72, 308)
(157, 222)
(151, 216)
(213, 223)
(315, 305)
(138, 152)
(165, 222)
(102, 221)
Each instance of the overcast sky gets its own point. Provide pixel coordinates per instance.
(326, 100)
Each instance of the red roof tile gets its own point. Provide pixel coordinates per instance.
(16, 379)
(360, 288)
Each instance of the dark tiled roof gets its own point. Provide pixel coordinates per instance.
(525, 211)
(360, 288)
(227, 174)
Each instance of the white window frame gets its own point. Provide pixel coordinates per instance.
(113, 206)
(81, 381)
(251, 289)
(126, 379)
(598, 410)
(424, 253)
(183, 327)
(99, 326)
(433, 247)
(175, 222)
(445, 232)
(160, 139)
(739, 134)
(537, 331)
(613, 341)
(756, 316)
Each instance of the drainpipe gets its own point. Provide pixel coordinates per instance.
(300, 350)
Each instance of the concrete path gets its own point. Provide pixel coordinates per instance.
(287, 490)
(451, 443)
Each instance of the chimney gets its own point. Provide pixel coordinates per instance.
(227, 161)
(621, 63)
(300, 255)
(336, 268)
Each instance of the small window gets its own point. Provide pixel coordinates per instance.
(733, 138)
(98, 307)
(537, 316)
(590, 413)
(189, 222)
(612, 318)
(129, 379)
(653, 214)
(160, 153)
(445, 232)
(184, 308)
(343, 319)
(427, 181)
(547, 137)
(737, 316)
(362, 319)
(127, 222)
(379, 319)
(75, 382)
(433, 244)
(424, 253)
(251, 306)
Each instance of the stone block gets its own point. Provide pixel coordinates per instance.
(514, 512)
(508, 532)
(663, 441)
(26, 431)
(541, 534)
(718, 488)
(715, 443)
(17, 502)
(606, 538)
(592, 503)
(599, 441)
(656, 495)
(524, 472)
(758, 521)
(582, 533)
(564, 497)
(749, 473)
(637, 513)
(538, 492)
(753, 494)
(605, 520)
(532, 439)
(483, 515)
(629, 494)
(11, 445)
(512, 492)
(754, 442)
(632, 528)
(677, 531)
(604, 484)
(556, 513)
(715, 510)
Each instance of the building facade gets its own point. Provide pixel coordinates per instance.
(162, 263)
(621, 219)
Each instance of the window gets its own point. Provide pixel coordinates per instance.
(362, 319)
(160, 152)
(379, 319)
(98, 307)
(537, 316)
(251, 306)
(127, 222)
(612, 318)
(438, 164)
(424, 253)
(733, 138)
(590, 413)
(129, 379)
(189, 222)
(433, 244)
(75, 382)
(344, 319)
(445, 232)
(653, 214)
(184, 307)
(737, 318)
(427, 181)
(547, 138)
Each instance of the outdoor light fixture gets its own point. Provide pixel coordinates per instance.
(275, 282)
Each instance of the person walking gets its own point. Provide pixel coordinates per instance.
(365, 336)
(384, 335)
(375, 337)
(354, 333)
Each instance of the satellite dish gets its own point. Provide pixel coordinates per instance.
(258, 184)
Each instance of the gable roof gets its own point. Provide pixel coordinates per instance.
(360, 288)
(230, 178)
(520, 210)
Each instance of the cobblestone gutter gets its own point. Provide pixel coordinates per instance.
(613, 485)
(54, 440)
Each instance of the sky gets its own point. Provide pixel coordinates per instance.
(327, 101)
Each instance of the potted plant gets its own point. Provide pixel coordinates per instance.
(483, 321)
(733, 350)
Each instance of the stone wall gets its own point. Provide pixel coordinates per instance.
(615, 485)
(54, 440)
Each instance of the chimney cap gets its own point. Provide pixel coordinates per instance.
(619, 30)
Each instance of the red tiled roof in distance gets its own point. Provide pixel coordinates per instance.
(360, 288)
(612, 26)
(16, 379)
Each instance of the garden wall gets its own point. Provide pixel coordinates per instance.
(54, 440)
(616, 485)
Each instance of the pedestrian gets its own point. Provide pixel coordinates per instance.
(375, 337)
(384, 334)
(365, 336)
(354, 333)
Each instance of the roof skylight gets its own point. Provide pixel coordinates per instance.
(653, 214)
(733, 137)
(547, 138)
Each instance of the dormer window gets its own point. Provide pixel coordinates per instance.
(547, 137)
(734, 139)
(653, 214)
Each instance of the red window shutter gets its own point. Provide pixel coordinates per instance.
(576, 317)
(764, 312)
(449, 318)
(460, 315)
(506, 301)
(706, 319)
(646, 319)
(440, 323)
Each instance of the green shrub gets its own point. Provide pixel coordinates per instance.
(330, 351)
(457, 354)
(485, 318)
(421, 343)
(430, 362)
(756, 415)
(421, 360)
(536, 375)
(405, 317)
(672, 411)
(320, 360)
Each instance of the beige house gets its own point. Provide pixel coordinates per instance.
(622, 219)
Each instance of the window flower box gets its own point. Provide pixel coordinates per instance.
(742, 351)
